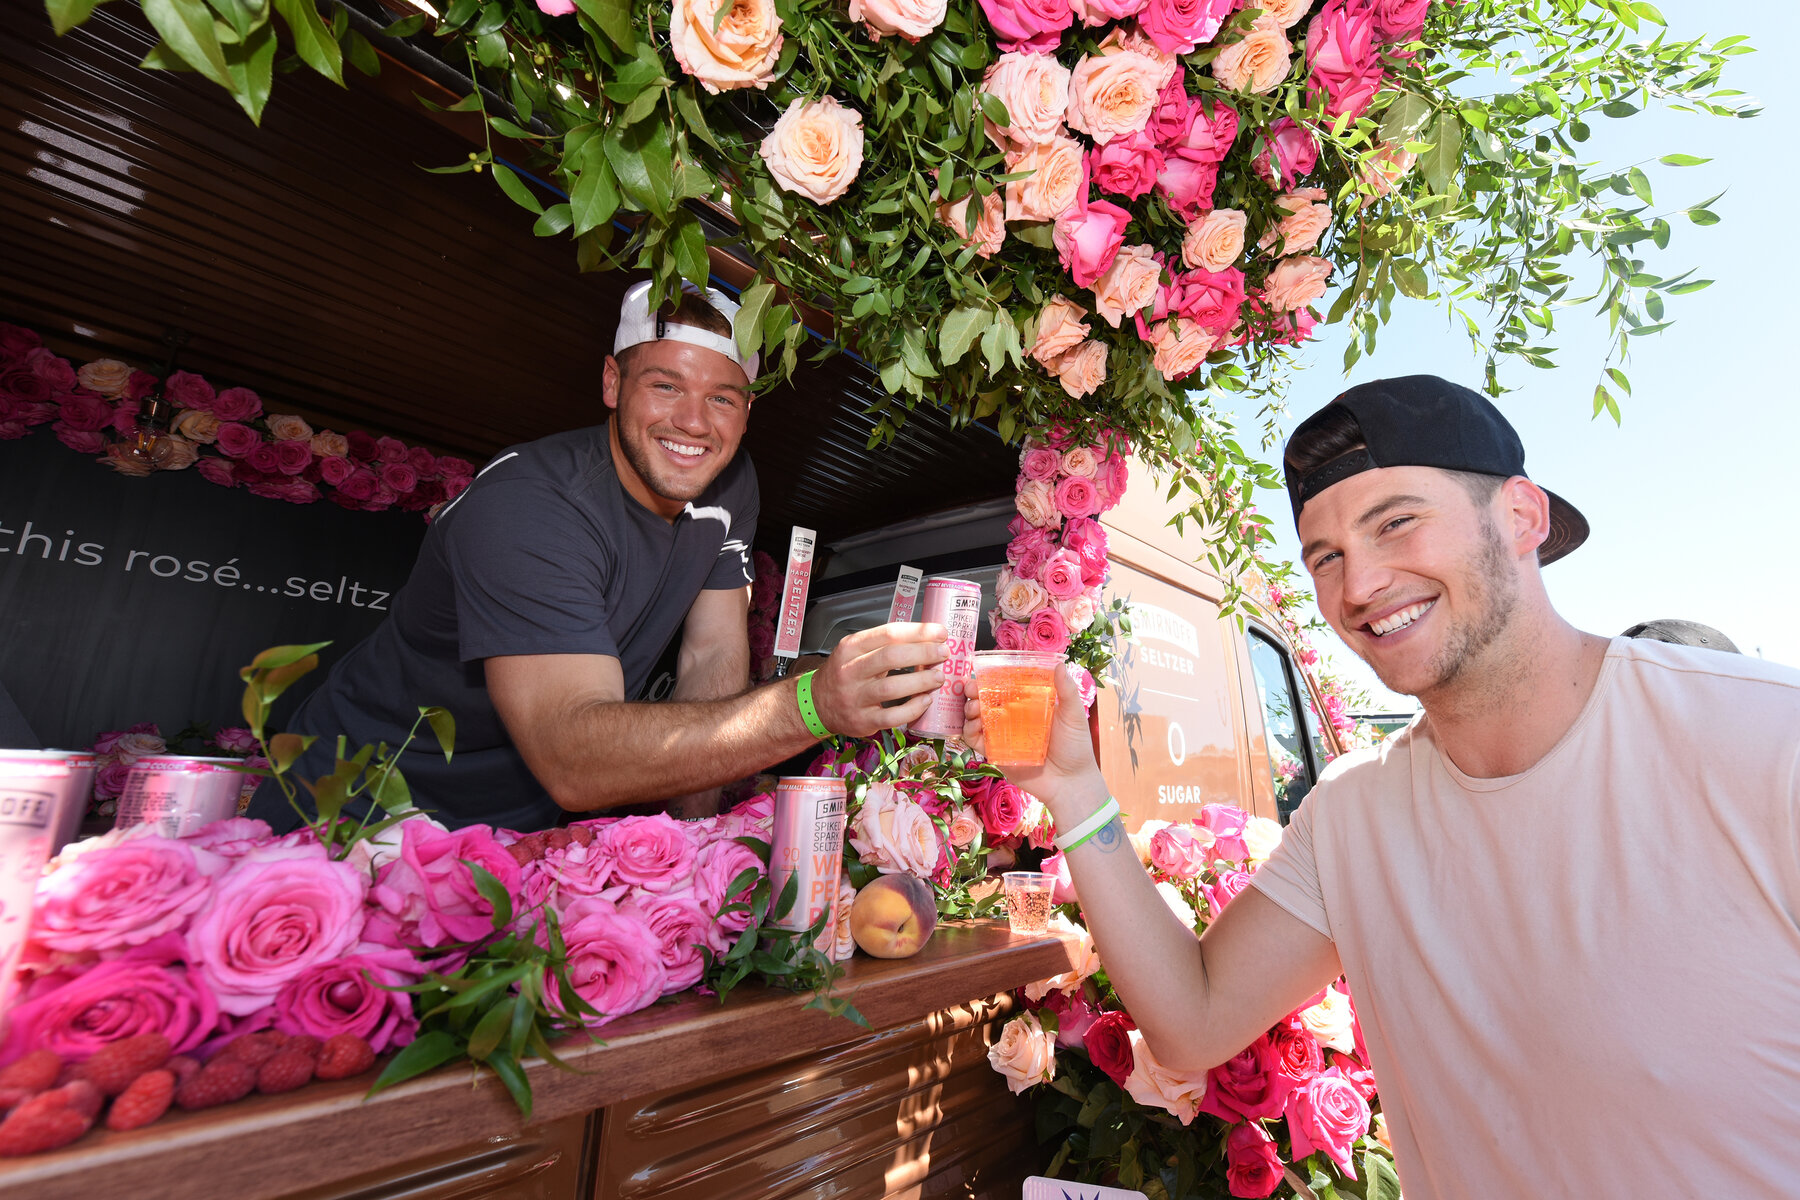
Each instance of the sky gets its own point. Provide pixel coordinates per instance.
(1687, 496)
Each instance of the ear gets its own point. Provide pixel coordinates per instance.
(609, 382)
(1523, 510)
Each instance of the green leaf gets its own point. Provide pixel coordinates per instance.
(1404, 117)
(362, 55)
(493, 1026)
(1702, 216)
(753, 306)
(513, 186)
(960, 329)
(284, 748)
(554, 221)
(1378, 1173)
(426, 1052)
(513, 1076)
(692, 116)
(1438, 165)
(1682, 160)
(405, 27)
(67, 14)
(690, 249)
(613, 17)
(252, 66)
(642, 159)
(443, 726)
(1640, 184)
(187, 27)
(594, 198)
(494, 892)
(312, 40)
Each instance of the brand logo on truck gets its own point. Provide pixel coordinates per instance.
(1159, 624)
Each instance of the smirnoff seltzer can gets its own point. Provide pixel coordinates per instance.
(78, 791)
(956, 605)
(33, 788)
(808, 843)
(179, 795)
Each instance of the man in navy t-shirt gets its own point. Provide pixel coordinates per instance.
(544, 596)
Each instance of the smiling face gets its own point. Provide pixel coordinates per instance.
(1421, 579)
(680, 412)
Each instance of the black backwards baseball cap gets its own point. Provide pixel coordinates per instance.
(1424, 421)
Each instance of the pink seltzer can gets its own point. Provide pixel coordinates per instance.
(956, 605)
(33, 790)
(179, 795)
(807, 843)
(79, 789)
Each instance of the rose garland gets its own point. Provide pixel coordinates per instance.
(222, 432)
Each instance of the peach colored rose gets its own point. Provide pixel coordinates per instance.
(1082, 369)
(1059, 328)
(1307, 218)
(815, 149)
(107, 376)
(1287, 12)
(1295, 282)
(1024, 1053)
(121, 458)
(990, 226)
(1037, 504)
(1181, 346)
(288, 427)
(1035, 90)
(1058, 177)
(910, 19)
(1261, 836)
(1257, 63)
(1111, 95)
(1018, 598)
(1086, 962)
(1080, 461)
(1156, 1086)
(1128, 285)
(965, 827)
(197, 425)
(1078, 612)
(174, 453)
(740, 52)
(1330, 1020)
(893, 834)
(326, 444)
(1385, 166)
(1127, 36)
(1214, 241)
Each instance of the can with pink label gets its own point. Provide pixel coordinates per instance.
(956, 605)
(179, 795)
(80, 789)
(807, 843)
(33, 789)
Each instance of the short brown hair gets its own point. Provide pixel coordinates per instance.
(688, 308)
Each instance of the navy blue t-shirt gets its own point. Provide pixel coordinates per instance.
(545, 553)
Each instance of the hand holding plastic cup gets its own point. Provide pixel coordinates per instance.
(1018, 700)
(1028, 900)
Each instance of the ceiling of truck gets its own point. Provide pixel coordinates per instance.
(316, 261)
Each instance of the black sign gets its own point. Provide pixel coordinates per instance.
(126, 600)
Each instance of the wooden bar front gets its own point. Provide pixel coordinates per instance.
(755, 1097)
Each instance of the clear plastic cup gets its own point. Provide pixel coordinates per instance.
(1018, 701)
(1028, 900)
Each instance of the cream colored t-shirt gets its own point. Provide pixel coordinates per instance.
(1584, 980)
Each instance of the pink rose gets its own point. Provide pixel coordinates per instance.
(1247, 1087)
(400, 477)
(909, 19)
(1075, 497)
(1400, 20)
(682, 926)
(1108, 1044)
(1181, 851)
(716, 865)
(1017, 596)
(427, 897)
(1009, 635)
(1075, 1015)
(1329, 1114)
(1061, 575)
(217, 470)
(1001, 807)
(355, 995)
(1343, 55)
(1082, 532)
(1298, 1053)
(1034, 89)
(237, 441)
(148, 989)
(1227, 823)
(184, 389)
(278, 911)
(1178, 26)
(81, 443)
(655, 853)
(359, 485)
(1187, 183)
(615, 958)
(264, 458)
(452, 467)
(237, 404)
(1047, 631)
(965, 827)
(88, 414)
(16, 342)
(564, 873)
(1087, 237)
(1082, 369)
(1252, 1167)
(335, 469)
(1041, 462)
(231, 838)
(292, 457)
(1094, 13)
(1296, 282)
(1224, 888)
(1031, 25)
(390, 450)
(122, 895)
(1212, 299)
(1289, 152)
(1173, 110)
(1063, 891)
(1126, 166)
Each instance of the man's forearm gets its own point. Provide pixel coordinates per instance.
(608, 754)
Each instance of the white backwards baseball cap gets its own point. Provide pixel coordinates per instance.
(638, 324)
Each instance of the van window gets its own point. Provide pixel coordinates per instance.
(1291, 767)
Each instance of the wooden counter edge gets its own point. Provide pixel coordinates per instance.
(269, 1146)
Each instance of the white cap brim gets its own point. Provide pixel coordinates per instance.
(638, 324)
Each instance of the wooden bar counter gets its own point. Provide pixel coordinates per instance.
(755, 1097)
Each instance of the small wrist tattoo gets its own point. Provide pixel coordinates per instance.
(1110, 836)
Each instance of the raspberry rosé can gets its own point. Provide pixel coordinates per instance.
(956, 605)
(179, 795)
(33, 790)
(80, 789)
(807, 844)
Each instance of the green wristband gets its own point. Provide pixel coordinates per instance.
(808, 713)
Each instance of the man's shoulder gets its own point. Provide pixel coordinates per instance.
(1696, 667)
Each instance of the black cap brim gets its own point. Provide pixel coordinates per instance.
(1568, 529)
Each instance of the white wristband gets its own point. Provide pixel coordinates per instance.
(1096, 821)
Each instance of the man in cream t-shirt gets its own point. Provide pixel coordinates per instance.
(1566, 898)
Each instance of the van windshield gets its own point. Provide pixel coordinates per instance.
(1290, 763)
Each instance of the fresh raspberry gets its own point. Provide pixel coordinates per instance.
(254, 1049)
(344, 1055)
(288, 1070)
(557, 839)
(304, 1043)
(81, 1096)
(144, 1101)
(220, 1081)
(32, 1072)
(583, 834)
(183, 1067)
(13, 1097)
(31, 1130)
(116, 1064)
